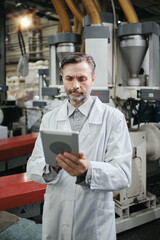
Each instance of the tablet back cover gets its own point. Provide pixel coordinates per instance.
(55, 142)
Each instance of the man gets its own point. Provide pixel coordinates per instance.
(78, 200)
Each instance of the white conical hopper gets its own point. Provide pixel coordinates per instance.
(133, 48)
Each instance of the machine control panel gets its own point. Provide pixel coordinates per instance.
(149, 94)
(102, 94)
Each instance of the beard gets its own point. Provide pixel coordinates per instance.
(81, 97)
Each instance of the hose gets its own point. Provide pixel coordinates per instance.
(98, 5)
(75, 10)
(129, 11)
(59, 5)
(59, 27)
(92, 11)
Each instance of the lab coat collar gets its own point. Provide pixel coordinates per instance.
(96, 114)
(84, 108)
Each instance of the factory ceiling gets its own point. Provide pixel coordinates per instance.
(147, 10)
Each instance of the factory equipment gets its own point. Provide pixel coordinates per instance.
(97, 38)
(61, 44)
(138, 53)
(152, 131)
(135, 46)
(139, 44)
(9, 114)
(133, 94)
(99, 44)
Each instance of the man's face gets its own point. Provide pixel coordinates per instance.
(77, 80)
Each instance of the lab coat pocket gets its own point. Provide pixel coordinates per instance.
(105, 219)
(106, 206)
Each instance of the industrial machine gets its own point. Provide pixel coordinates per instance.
(50, 82)
(135, 95)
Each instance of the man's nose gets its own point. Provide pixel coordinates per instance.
(75, 84)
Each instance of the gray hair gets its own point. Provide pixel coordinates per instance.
(78, 57)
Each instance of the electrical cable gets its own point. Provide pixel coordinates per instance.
(21, 43)
(138, 113)
(115, 50)
(22, 68)
(24, 48)
(142, 103)
(138, 119)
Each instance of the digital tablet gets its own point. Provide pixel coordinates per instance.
(55, 142)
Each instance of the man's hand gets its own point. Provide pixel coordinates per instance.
(72, 164)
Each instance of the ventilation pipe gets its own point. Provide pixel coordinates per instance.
(93, 12)
(62, 13)
(129, 11)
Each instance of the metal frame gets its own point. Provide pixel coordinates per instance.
(28, 211)
(2, 53)
(137, 218)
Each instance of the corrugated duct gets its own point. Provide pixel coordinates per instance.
(59, 5)
(129, 11)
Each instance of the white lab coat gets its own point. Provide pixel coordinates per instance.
(75, 212)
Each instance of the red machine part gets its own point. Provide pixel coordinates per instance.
(17, 146)
(17, 190)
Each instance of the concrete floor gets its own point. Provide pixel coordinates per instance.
(15, 228)
(148, 231)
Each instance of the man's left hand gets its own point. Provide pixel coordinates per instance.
(72, 164)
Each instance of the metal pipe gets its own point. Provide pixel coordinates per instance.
(63, 16)
(53, 72)
(40, 87)
(129, 11)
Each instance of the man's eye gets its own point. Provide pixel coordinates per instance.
(69, 78)
(82, 79)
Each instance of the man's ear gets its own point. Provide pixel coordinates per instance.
(93, 79)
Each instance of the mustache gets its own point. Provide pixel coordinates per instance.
(75, 91)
